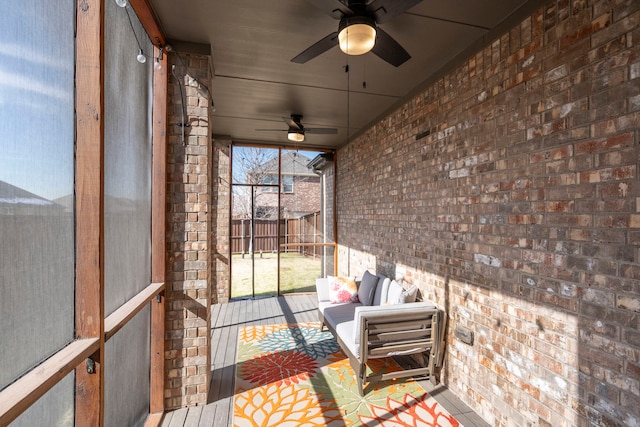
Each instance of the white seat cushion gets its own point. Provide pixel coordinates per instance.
(346, 332)
(335, 314)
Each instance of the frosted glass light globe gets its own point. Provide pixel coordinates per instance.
(141, 58)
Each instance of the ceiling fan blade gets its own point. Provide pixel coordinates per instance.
(318, 48)
(389, 50)
(335, 8)
(269, 130)
(323, 131)
(384, 10)
(292, 123)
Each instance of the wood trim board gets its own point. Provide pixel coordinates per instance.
(89, 189)
(116, 320)
(158, 224)
(19, 396)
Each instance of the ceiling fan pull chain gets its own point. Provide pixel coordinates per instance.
(364, 72)
(346, 69)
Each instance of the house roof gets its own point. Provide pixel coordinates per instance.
(293, 163)
(20, 202)
(10, 195)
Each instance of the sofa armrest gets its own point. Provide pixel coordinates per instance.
(381, 311)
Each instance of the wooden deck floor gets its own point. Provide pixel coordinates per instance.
(226, 320)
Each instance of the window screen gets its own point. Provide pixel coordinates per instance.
(36, 192)
(127, 187)
(127, 151)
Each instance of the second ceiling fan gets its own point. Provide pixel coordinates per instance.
(358, 32)
(297, 131)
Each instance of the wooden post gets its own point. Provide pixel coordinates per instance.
(89, 188)
(158, 200)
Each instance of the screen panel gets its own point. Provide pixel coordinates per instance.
(127, 216)
(36, 187)
(126, 379)
(127, 150)
(55, 408)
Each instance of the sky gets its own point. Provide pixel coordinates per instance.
(36, 96)
(37, 121)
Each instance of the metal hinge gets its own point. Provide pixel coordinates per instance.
(91, 366)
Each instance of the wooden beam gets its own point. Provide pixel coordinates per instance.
(230, 221)
(23, 393)
(149, 21)
(158, 236)
(280, 178)
(89, 188)
(154, 419)
(286, 245)
(116, 320)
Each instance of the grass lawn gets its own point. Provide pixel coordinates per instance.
(297, 274)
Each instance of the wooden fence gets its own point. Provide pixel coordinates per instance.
(291, 235)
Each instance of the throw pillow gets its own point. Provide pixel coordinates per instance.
(342, 289)
(409, 295)
(367, 288)
(382, 290)
(395, 292)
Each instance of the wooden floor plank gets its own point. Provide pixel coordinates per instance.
(242, 309)
(254, 316)
(215, 312)
(193, 416)
(260, 310)
(311, 307)
(178, 418)
(297, 308)
(224, 404)
(247, 312)
(208, 415)
(269, 310)
(219, 346)
(166, 420)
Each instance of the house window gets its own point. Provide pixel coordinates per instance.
(270, 180)
(287, 184)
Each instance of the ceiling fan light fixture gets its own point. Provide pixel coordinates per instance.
(295, 135)
(357, 35)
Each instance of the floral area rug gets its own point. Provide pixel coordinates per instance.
(296, 375)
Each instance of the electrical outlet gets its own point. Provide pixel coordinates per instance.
(464, 334)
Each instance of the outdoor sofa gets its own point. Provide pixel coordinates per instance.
(374, 317)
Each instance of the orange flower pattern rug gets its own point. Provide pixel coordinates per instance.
(296, 375)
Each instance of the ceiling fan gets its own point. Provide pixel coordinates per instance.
(358, 32)
(297, 131)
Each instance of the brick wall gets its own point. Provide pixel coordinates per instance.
(328, 183)
(508, 191)
(188, 321)
(305, 197)
(221, 233)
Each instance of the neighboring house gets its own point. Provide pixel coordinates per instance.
(16, 201)
(300, 187)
